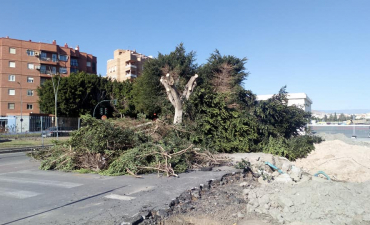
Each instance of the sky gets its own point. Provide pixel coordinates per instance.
(321, 48)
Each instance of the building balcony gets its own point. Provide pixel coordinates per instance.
(130, 66)
(131, 75)
(49, 60)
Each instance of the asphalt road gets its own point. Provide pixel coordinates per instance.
(32, 196)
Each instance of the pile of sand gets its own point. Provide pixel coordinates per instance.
(341, 161)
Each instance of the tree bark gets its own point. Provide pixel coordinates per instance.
(175, 97)
(178, 115)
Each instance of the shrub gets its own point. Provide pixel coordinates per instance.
(293, 148)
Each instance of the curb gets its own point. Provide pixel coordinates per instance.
(23, 149)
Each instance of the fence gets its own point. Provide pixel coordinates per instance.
(35, 124)
(360, 131)
(38, 123)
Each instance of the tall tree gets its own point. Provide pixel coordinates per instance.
(148, 94)
(122, 93)
(78, 94)
(276, 118)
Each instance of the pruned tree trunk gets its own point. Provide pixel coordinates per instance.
(178, 115)
(175, 97)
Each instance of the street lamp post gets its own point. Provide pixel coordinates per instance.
(114, 102)
(21, 106)
(55, 87)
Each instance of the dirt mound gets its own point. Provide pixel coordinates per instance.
(316, 201)
(339, 160)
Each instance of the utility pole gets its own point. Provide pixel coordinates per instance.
(21, 106)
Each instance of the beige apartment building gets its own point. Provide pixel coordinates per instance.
(125, 65)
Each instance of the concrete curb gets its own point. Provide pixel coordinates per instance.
(23, 149)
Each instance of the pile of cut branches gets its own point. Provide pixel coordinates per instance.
(112, 148)
(150, 158)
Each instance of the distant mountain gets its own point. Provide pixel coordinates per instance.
(345, 111)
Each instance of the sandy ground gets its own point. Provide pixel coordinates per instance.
(295, 197)
(339, 160)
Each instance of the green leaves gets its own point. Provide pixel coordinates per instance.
(80, 92)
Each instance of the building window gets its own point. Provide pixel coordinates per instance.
(43, 55)
(11, 105)
(11, 91)
(29, 106)
(11, 78)
(42, 80)
(30, 92)
(31, 66)
(63, 58)
(88, 64)
(54, 57)
(30, 52)
(62, 70)
(94, 67)
(74, 70)
(74, 62)
(12, 64)
(12, 50)
(29, 79)
(53, 70)
(43, 69)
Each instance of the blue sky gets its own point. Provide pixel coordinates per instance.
(318, 47)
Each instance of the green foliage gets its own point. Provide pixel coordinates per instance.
(122, 91)
(79, 93)
(242, 164)
(57, 158)
(220, 116)
(276, 118)
(97, 136)
(141, 116)
(149, 95)
(146, 155)
(293, 148)
(219, 127)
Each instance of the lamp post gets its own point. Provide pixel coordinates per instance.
(21, 106)
(55, 87)
(113, 100)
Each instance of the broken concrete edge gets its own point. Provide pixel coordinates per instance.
(154, 215)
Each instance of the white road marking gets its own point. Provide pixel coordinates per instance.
(17, 193)
(39, 182)
(119, 197)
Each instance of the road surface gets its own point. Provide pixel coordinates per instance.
(32, 196)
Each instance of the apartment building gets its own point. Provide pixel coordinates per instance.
(25, 65)
(125, 65)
